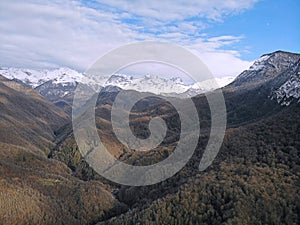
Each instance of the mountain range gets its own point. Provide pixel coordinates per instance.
(254, 179)
(61, 83)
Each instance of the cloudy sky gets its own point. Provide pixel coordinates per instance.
(227, 35)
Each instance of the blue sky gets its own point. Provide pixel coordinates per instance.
(269, 26)
(227, 35)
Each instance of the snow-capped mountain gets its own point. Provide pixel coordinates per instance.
(278, 72)
(266, 68)
(55, 91)
(62, 82)
(163, 86)
(289, 91)
(34, 78)
(57, 85)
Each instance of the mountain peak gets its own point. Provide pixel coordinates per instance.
(61, 83)
(266, 68)
(35, 78)
(280, 52)
(274, 58)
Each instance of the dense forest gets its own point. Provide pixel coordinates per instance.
(254, 179)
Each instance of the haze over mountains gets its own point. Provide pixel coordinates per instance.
(254, 179)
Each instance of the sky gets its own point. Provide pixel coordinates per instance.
(227, 35)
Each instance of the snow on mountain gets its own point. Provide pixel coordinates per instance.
(278, 69)
(163, 86)
(148, 83)
(57, 83)
(35, 78)
(268, 67)
(259, 63)
(277, 72)
(288, 91)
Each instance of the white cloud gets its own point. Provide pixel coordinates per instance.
(33, 35)
(180, 9)
(223, 63)
(40, 34)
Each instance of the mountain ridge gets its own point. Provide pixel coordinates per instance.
(68, 79)
(253, 180)
(265, 68)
